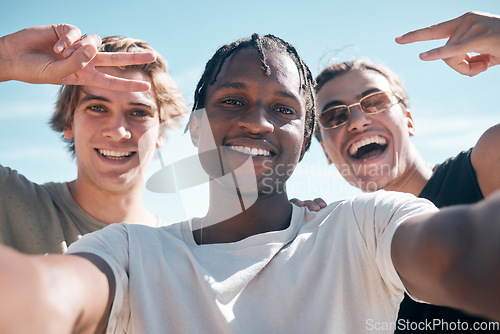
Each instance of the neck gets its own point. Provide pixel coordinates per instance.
(414, 178)
(111, 207)
(229, 220)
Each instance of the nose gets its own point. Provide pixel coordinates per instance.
(358, 119)
(256, 120)
(117, 128)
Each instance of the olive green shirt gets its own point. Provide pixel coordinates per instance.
(40, 218)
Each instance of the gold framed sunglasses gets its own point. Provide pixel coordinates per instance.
(373, 103)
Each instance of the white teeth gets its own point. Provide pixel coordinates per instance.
(114, 154)
(251, 151)
(366, 141)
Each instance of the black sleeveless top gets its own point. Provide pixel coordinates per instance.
(452, 182)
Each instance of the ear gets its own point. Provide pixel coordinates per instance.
(194, 129)
(410, 123)
(68, 132)
(326, 153)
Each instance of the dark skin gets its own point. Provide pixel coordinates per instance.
(70, 294)
(248, 109)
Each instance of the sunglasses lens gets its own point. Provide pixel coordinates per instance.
(375, 103)
(334, 117)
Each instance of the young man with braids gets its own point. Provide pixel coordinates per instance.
(102, 114)
(265, 265)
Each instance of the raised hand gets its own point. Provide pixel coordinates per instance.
(473, 42)
(58, 55)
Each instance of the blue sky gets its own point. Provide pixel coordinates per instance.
(451, 111)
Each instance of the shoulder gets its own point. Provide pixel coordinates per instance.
(386, 210)
(13, 182)
(372, 212)
(58, 190)
(136, 235)
(485, 159)
(383, 200)
(16, 188)
(11, 175)
(112, 234)
(4, 173)
(488, 143)
(379, 202)
(460, 159)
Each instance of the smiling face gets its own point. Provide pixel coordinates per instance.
(106, 128)
(258, 116)
(370, 151)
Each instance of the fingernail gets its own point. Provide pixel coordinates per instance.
(424, 55)
(60, 48)
(69, 52)
(87, 52)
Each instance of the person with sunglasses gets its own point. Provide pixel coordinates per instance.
(365, 128)
(255, 263)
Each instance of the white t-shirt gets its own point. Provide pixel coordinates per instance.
(328, 272)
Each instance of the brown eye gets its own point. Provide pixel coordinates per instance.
(284, 110)
(376, 103)
(334, 117)
(140, 113)
(96, 108)
(232, 102)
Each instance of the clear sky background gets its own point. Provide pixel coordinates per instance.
(451, 111)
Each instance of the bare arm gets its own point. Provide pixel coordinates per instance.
(451, 257)
(485, 158)
(55, 54)
(472, 32)
(51, 294)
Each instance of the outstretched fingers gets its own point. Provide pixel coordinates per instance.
(437, 31)
(123, 58)
(472, 45)
(102, 80)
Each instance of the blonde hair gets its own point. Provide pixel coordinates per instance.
(169, 99)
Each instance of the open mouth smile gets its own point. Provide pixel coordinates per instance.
(114, 155)
(367, 148)
(253, 151)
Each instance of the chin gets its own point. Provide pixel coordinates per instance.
(123, 182)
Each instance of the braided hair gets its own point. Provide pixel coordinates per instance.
(260, 43)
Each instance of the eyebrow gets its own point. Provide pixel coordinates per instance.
(243, 86)
(234, 85)
(91, 97)
(342, 103)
